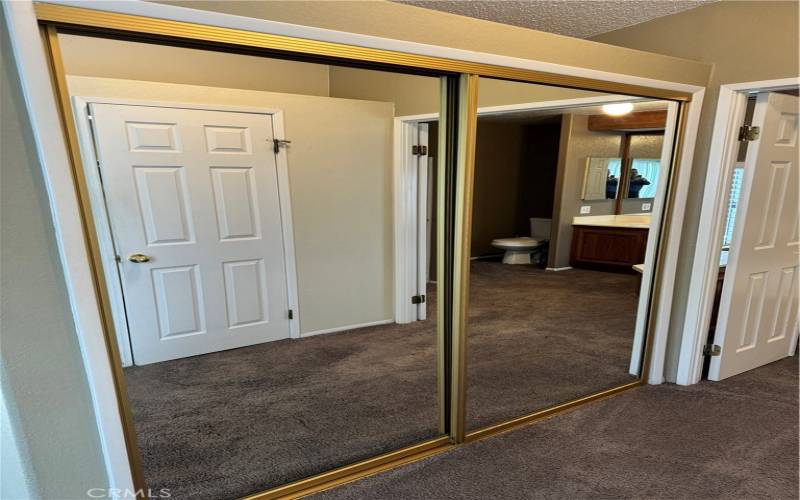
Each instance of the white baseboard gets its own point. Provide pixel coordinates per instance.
(346, 327)
(558, 268)
(486, 257)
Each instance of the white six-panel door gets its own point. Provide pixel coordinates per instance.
(758, 317)
(194, 194)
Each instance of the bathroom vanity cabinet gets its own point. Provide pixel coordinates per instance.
(607, 248)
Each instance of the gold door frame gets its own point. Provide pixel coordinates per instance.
(459, 116)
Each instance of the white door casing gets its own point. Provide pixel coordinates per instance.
(655, 234)
(197, 192)
(430, 206)
(423, 218)
(410, 217)
(758, 316)
(724, 148)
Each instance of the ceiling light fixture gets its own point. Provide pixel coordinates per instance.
(618, 109)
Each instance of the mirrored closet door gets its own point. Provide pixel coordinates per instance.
(562, 231)
(275, 315)
(312, 270)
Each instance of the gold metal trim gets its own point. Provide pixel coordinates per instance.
(91, 20)
(65, 111)
(441, 246)
(465, 173)
(515, 423)
(355, 471)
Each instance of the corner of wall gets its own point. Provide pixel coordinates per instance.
(47, 407)
(558, 229)
(16, 474)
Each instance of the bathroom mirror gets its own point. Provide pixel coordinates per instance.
(601, 179)
(641, 171)
(643, 178)
(555, 309)
(269, 328)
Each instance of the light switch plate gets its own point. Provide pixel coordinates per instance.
(586, 209)
(646, 206)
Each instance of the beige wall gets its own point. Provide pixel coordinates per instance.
(578, 143)
(90, 56)
(498, 167)
(340, 177)
(745, 41)
(515, 169)
(493, 92)
(16, 477)
(405, 22)
(46, 404)
(646, 146)
(414, 95)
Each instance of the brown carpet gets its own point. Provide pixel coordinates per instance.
(538, 338)
(735, 439)
(231, 423)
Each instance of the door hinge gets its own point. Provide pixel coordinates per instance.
(420, 150)
(418, 299)
(277, 143)
(291, 314)
(749, 133)
(711, 350)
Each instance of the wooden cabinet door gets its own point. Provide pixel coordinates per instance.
(606, 248)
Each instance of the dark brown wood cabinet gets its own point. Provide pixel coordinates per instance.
(607, 248)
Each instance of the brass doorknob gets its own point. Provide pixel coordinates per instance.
(138, 258)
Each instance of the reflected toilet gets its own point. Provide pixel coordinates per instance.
(519, 250)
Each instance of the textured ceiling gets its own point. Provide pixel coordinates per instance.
(576, 18)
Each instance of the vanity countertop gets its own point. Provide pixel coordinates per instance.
(636, 221)
(723, 262)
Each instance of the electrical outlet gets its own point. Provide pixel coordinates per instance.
(646, 206)
(586, 209)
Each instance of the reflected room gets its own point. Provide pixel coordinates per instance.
(268, 328)
(565, 186)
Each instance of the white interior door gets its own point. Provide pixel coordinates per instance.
(595, 179)
(193, 202)
(758, 316)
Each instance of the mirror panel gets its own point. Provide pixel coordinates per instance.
(555, 309)
(269, 339)
(643, 167)
(642, 170)
(601, 179)
(275, 294)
